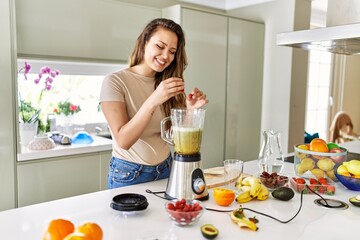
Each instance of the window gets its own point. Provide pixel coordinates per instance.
(318, 93)
(78, 83)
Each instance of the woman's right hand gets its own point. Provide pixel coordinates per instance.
(167, 89)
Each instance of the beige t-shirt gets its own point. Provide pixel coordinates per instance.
(134, 89)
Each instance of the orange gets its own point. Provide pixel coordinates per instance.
(319, 146)
(77, 236)
(58, 229)
(223, 197)
(317, 140)
(90, 230)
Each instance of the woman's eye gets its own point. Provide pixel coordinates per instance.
(161, 47)
(173, 52)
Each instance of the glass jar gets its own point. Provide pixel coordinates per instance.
(271, 158)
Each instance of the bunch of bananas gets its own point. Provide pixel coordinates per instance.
(250, 188)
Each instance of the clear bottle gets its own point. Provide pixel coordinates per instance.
(271, 158)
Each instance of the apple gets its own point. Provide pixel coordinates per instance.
(337, 159)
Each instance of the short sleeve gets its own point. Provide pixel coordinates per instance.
(112, 89)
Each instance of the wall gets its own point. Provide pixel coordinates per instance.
(7, 106)
(351, 97)
(279, 63)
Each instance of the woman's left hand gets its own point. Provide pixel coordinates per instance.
(196, 99)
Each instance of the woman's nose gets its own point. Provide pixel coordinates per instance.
(165, 54)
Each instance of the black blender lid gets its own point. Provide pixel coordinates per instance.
(129, 202)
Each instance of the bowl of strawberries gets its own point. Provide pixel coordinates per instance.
(184, 212)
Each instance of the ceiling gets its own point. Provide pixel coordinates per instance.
(225, 4)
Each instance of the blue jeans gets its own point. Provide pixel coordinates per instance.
(123, 173)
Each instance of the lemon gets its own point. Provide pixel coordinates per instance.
(300, 169)
(353, 167)
(307, 164)
(301, 155)
(325, 164)
(342, 170)
(318, 173)
(331, 175)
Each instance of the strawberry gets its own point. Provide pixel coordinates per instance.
(313, 181)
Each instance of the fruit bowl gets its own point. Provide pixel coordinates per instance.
(309, 164)
(348, 174)
(351, 183)
(184, 212)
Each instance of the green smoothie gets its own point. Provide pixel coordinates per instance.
(187, 140)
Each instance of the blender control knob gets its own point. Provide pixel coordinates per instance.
(199, 185)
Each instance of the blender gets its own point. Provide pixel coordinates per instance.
(186, 178)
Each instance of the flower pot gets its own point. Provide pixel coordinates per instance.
(27, 132)
(65, 123)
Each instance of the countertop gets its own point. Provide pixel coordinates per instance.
(100, 144)
(312, 222)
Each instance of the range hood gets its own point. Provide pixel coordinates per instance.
(343, 39)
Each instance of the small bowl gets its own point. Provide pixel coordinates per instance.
(351, 183)
(191, 211)
(273, 180)
(41, 142)
(309, 164)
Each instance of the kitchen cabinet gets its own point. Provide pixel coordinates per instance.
(226, 62)
(90, 29)
(7, 106)
(55, 178)
(244, 89)
(104, 168)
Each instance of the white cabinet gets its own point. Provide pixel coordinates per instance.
(206, 49)
(97, 29)
(226, 62)
(55, 178)
(104, 168)
(244, 89)
(7, 106)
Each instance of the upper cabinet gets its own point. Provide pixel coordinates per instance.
(95, 29)
(226, 62)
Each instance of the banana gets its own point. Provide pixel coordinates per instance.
(255, 185)
(245, 188)
(244, 197)
(263, 194)
(246, 181)
(241, 220)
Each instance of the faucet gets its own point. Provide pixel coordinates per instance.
(98, 130)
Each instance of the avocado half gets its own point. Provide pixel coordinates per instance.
(355, 200)
(209, 231)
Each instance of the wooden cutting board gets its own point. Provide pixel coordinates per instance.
(214, 177)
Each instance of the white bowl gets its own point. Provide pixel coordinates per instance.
(41, 142)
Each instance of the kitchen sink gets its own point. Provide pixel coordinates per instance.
(104, 135)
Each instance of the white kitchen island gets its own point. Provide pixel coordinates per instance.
(313, 221)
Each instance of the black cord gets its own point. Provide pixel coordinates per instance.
(251, 210)
(156, 194)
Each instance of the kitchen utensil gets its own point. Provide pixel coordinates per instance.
(65, 140)
(271, 158)
(186, 176)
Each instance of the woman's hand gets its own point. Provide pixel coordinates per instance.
(196, 99)
(167, 89)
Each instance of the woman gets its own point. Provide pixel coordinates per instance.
(136, 99)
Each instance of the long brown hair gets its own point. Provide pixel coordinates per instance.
(177, 66)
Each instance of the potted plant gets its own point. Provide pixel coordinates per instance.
(29, 112)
